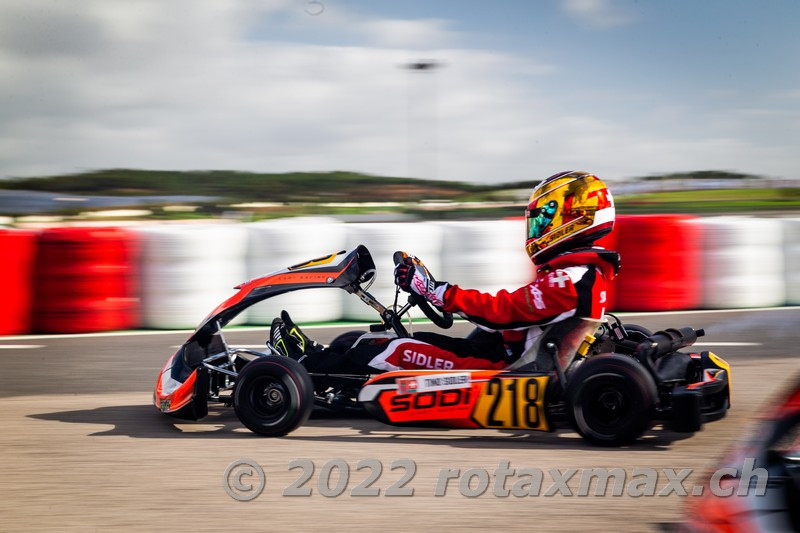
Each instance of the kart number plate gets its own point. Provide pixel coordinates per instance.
(512, 403)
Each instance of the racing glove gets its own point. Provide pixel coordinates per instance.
(412, 277)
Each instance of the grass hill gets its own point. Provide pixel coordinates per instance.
(241, 186)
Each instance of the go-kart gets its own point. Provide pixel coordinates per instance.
(610, 381)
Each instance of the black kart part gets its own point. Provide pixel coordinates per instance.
(698, 402)
(273, 395)
(668, 341)
(616, 337)
(636, 332)
(611, 400)
(442, 319)
(686, 411)
(346, 340)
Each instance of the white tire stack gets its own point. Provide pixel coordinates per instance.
(188, 270)
(743, 262)
(276, 245)
(486, 255)
(422, 239)
(791, 248)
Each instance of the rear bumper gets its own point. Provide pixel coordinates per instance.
(704, 401)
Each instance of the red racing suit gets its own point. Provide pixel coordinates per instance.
(573, 284)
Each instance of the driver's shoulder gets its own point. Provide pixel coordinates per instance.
(563, 276)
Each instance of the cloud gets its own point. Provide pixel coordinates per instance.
(263, 86)
(425, 34)
(190, 85)
(603, 14)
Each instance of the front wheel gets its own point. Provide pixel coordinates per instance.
(273, 395)
(610, 400)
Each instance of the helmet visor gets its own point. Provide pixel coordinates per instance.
(539, 219)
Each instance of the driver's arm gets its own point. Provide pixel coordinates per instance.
(551, 298)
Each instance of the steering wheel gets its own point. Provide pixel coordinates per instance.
(442, 319)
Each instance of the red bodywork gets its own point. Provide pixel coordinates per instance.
(170, 399)
(459, 398)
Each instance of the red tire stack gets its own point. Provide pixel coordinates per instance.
(86, 280)
(660, 258)
(16, 280)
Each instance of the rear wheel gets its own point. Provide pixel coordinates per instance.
(610, 400)
(273, 395)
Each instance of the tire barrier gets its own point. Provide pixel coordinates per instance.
(791, 249)
(16, 280)
(743, 262)
(382, 240)
(661, 263)
(86, 280)
(187, 270)
(485, 255)
(70, 280)
(275, 245)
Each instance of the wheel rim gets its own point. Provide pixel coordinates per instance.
(609, 407)
(270, 399)
(606, 409)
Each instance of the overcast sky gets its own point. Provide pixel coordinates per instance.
(523, 89)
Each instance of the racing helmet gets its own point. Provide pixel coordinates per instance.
(565, 211)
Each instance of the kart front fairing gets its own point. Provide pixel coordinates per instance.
(339, 270)
(183, 383)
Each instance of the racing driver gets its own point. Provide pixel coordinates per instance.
(567, 213)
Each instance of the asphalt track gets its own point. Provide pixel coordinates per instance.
(82, 447)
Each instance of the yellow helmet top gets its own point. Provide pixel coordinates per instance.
(570, 208)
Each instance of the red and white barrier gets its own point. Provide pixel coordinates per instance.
(661, 263)
(487, 255)
(791, 249)
(187, 270)
(90, 279)
(276, 244)
(85, 280)
(382, 240)
(743, 262)
(16, 280)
